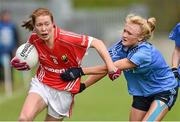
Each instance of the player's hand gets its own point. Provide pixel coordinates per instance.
(15, 63)
(72, 74)
(82, 87)
(176, 74)
(115, 74)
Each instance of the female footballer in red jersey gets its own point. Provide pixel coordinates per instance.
(58, 50)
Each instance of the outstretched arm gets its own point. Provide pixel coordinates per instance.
(103, 52)
(75, 72)
(122, 64)
(92, 79)
(174, 35)
(176, 61)
(176, 57)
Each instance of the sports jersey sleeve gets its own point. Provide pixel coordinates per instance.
(141, 57)
(175, 34)
(90, 39)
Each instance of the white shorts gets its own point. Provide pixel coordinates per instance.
(59, 102)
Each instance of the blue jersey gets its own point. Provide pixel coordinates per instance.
(152, 75)
(8, 37)
(175, 34)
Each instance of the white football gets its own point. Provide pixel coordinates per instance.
(27, 53)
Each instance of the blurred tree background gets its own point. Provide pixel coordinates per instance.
(167, 12)
(99, 4)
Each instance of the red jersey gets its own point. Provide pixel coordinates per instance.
(68, 51)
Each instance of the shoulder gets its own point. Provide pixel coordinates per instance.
(72, 38)
(144, 46)
(117, 45)
(141, 54)
(143, 49)
(174, 34)
(138, 48)
(68, 34)
(178, 24)
(177, 28)
(33, 38)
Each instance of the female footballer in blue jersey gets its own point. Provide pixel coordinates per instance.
(150, 80)
(175, 35)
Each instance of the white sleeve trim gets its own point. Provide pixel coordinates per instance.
(90, 39)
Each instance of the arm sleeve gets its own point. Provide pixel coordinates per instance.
(175, 34)
(90, 39)
(141, 57)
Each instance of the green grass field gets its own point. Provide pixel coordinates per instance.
(105, 101)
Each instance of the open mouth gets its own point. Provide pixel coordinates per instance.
(44, 35)
(124, 40)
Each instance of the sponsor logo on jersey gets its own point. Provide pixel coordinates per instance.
(58, 71)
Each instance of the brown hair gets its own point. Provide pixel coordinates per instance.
(147, 25)
(29, 24)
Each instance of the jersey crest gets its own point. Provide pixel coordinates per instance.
(64, 58)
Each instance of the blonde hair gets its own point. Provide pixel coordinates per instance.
(147, 25)
(29, 24)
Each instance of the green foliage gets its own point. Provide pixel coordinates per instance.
(166, 12)
(103, 3)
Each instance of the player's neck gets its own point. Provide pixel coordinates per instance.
(50, 41)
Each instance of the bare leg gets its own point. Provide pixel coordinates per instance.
(156, 112)
(136, 114)
(52, 119)
(32, 106)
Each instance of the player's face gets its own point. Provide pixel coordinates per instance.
(44, 27)
(131, 34)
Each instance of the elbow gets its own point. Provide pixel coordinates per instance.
(96, 42)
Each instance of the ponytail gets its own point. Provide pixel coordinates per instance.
(151, 22)
(28, 25)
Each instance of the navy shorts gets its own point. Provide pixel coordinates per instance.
(144, 103)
